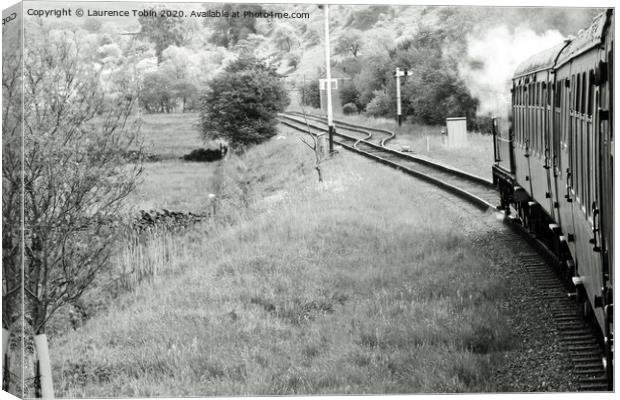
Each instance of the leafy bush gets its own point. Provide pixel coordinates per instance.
(241, 103)
(311, 94)
(375, 74)
(380, 105)
(349, 94)
(349, 108)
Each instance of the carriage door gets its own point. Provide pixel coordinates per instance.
(606, 148)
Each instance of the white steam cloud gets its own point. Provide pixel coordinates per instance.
(492, 59)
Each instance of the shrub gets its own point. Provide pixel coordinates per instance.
(311, 94)
(241, 103)
(349, 108)
(349, 94)
(380, 105)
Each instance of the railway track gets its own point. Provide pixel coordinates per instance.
(579, 339)
(375, 135)
(370, 142)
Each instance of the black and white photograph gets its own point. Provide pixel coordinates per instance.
(209, 199)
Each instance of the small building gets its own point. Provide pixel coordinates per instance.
(457, 132)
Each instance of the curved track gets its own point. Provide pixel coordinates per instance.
(375, 135)
(370, 143)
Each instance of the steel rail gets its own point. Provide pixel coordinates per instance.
(390, 135)
(354, 143)
(451, 170)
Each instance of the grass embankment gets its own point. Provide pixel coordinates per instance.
(362, 284)
(475, 157)
(172, 184)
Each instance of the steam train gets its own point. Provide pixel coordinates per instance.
(554, 165)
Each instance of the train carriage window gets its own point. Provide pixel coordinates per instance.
(538, 95)
(537, 131)
(576, 144)
(558, 93)
(585, 165)
(588, 162)
(565, 105)
(584, 87)
(516, 96)
(572, 97)
(528, 94)
(590, 97)
(578, 94)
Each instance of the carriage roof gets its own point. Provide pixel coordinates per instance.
(564, 52)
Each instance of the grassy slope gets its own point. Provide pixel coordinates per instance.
(358, 285)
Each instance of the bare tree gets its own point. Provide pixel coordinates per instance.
(11, 194)
(314, 143)
(76, 174)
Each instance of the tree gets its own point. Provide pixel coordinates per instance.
(375, 74)
(316, 144)
(228, 31)
(156, 95)
(349, 41)
(11, 194)
(162, 31)
(92, 25)
(76, 137)
(241, 103)
(285, 37)
(187, 93)
(435, 91)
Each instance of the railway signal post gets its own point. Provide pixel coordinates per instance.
(400, 72)
(328, 76)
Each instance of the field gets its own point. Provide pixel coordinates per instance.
(475, 157)
(172, 183)
(295, 287)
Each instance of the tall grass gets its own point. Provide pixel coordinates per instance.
(361, 284)
(144, 255)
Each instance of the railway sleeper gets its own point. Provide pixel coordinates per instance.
(598, 366)
(592, 387)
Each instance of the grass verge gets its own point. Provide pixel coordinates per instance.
(362, 284)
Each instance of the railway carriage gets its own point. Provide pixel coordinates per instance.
(554, 166)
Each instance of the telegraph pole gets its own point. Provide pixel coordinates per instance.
(328, 76)
(398, 74)
(398, 107)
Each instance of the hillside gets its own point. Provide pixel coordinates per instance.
(461, 57)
